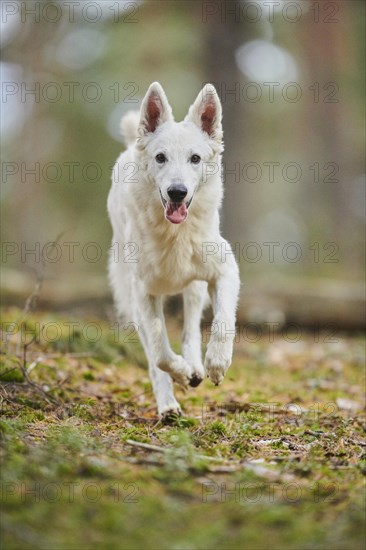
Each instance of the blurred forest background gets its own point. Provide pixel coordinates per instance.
(292, 82)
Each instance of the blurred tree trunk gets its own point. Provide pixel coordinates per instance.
(326, 115)
(224, 34)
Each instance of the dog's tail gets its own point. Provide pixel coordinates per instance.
(129, 125)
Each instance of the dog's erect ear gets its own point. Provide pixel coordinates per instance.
(206, 112)
(155, 109)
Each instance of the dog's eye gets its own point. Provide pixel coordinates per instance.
(160, 158)
(195, 159)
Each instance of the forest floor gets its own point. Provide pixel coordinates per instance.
(274, 457)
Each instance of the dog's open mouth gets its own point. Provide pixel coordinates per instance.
(175, 212)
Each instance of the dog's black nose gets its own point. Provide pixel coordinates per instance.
(177, 192)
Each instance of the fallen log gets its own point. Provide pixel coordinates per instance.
(307, 302)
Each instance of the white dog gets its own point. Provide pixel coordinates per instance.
(164, 203)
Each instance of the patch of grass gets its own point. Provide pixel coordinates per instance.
(10, 370)
(270, 455)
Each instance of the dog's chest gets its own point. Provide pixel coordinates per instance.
(170, 265)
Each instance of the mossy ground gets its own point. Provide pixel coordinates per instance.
(274, 457)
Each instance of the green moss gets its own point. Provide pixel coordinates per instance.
(10, 371)
(297, 478)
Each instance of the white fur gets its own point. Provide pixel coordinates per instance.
(170, 258)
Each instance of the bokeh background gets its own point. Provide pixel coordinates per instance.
(291, 79)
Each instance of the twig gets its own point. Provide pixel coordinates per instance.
(145, 446)
(316, 433)
(37, 387)
(25, 349)
(32, 299)
(30, 303)
(41, 356)
(223, 469)
(211, 470)
(157, 449)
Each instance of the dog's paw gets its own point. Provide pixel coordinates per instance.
(197, 375)
(178, 369)
(195, 380)
(170, 413)
(218, 360)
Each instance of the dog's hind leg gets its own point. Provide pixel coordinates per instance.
(162, 384)
(151, 324)
(195, 298)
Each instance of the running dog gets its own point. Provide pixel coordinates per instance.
(164, 203)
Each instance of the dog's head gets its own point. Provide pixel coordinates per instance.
(176, 155)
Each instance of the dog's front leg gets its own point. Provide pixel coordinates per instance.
(224, 292)
(162, 384)
(194, 298)
(153, 323)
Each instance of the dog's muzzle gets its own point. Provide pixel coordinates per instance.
(177, 193)
(176, 210)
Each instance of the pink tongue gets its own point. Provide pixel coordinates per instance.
(176, 213)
